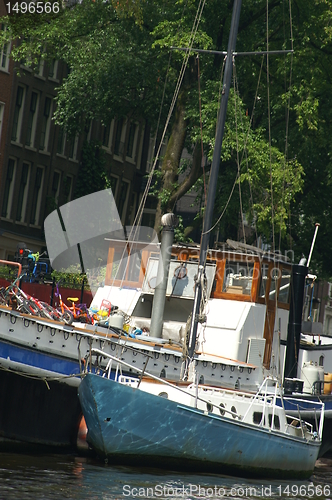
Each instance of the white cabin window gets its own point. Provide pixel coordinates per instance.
(284, 286)
(238, 277)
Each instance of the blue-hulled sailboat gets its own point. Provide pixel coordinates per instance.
(191, 425)
(197, 427)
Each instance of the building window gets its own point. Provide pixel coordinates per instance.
(148, 217)
(23, 193)
(132, 139)
(56, 187)
(31, 126)
(40, 68)
(114, 184)
(88, 130)
(36, 198)
(61, 142)
(2, 110)
(4, 53)
(53, 69)
(67, 188)
(18, 111)
(123, 200)
(73, 146)
(132, 210)
(119, 143)
(46, 124)
(152, 152)
(106, 135)
(9, 187)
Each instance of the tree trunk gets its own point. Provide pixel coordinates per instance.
(171, 160)
(170, 167)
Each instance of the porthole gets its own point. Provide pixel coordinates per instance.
(233, 410)
(222, 409)
(180, 272)
(152, 282)
(209, 407)
(163, 395)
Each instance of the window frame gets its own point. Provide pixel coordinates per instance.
(9, 190)
(33, 125)
(46, 125)
(18, 115)
(5, 53)
(37, 197)
(22, 197)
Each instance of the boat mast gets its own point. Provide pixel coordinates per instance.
(213, 182)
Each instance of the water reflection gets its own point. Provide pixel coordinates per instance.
(67, 477)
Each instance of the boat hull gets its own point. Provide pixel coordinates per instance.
(37, 414)
(128, 425)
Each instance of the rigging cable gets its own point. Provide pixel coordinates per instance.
(244, 150)
(201, 127)
(237, 151)
(287, 116)
(174, 99)
(269, 116)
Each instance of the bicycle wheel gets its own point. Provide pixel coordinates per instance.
(46, 311)
(34, 309)
(23, 306)
(67, 317)
(3, 296)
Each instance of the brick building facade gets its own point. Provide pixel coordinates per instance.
(39, 165)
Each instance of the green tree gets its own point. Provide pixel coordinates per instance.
(118, 54)
(92, 175)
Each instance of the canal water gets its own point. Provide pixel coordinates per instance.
(48, 477)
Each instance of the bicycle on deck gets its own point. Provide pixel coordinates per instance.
(77, 312)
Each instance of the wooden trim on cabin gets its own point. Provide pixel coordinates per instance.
(220, 272)
(144, 264)
(109, 265)
(231, 296)
(217, 257)
(268, 335)
(255, 282)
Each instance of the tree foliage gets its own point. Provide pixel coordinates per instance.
(278, 128)
(92, 175)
